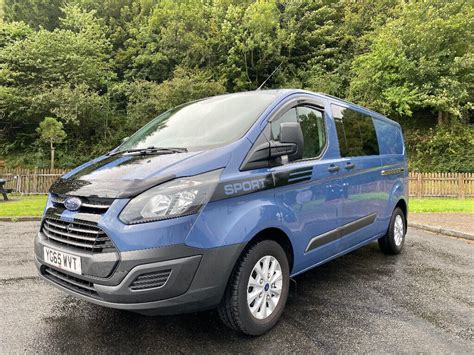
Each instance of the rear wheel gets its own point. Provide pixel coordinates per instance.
(393, 241)
(258, 289)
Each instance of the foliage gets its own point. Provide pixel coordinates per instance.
(35, 13)
(74, 54)
(47, 73)
(51, 131)
(104, 68)
(444, 149)
(422, 59)
(14, 31)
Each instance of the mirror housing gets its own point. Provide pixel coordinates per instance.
(267, 153)
(292, 135)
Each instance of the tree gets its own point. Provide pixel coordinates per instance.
(421, 60)
(51, 131)
(104, 68)
(14, 31)
(39, 67)
(36, 13)
(76, 53)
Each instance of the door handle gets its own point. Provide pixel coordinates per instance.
(333, 168)
(349, 165)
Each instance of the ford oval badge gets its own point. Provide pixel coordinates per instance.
(73, 203)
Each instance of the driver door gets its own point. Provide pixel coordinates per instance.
(308, 191)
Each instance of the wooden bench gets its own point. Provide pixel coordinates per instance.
(3, 190)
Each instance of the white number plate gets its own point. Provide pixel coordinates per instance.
(63, 260)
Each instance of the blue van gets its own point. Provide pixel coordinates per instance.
(217, 203)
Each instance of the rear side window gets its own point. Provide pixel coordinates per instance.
(390, 137)
(355, 132)
(312, 125)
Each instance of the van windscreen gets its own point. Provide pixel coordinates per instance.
(202, 124)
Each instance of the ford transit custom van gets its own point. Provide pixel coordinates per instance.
(217, 203)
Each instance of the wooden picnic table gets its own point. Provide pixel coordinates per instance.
(3, 190)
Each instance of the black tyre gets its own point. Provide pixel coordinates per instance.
(392, 242)
(258, 289)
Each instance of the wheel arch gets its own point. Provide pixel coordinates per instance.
(403, 206)
(277, 235)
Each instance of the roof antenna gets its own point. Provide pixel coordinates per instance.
(273, 72)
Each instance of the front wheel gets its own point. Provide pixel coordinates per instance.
(392, 242)
(258, 289)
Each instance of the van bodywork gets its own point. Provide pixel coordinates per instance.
(317, 209)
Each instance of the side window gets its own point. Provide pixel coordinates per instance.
(312, 125)
(355, 132)
(390, 137)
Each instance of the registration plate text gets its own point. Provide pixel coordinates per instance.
(63, 260)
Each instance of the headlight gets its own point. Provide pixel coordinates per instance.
(175, 198)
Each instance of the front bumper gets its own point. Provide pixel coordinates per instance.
(192, 279)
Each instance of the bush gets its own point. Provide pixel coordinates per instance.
(442, 149)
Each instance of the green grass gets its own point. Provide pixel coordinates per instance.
(22, 206)
(440, 205)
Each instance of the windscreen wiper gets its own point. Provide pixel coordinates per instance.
(149, 150)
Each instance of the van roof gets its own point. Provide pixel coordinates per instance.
(286, 92)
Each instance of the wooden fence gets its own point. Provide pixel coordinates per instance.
(30, 181)
(455, 185)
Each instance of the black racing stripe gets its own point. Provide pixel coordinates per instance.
(305, 169)
(302, 173)
(294, 176)
(340, 232)
(298, 179)
(281, 178)
(239, 187)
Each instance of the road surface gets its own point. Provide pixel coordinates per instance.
(419, 301)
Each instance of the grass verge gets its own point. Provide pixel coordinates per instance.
(440, 205)
(21, 206)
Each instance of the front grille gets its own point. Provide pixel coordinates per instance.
(70, 282)
(95, 206)
(77, 235)
(150, 280)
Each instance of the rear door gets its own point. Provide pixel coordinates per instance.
(364, 195)
(308, 191)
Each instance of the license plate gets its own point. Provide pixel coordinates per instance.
(63, 260)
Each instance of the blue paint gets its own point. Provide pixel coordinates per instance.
(300, 210)
(68, 216)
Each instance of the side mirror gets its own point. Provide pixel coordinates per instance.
(291, 136)
(266, 153)
(123, 140)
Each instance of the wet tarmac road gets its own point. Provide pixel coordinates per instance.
(419, 301)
